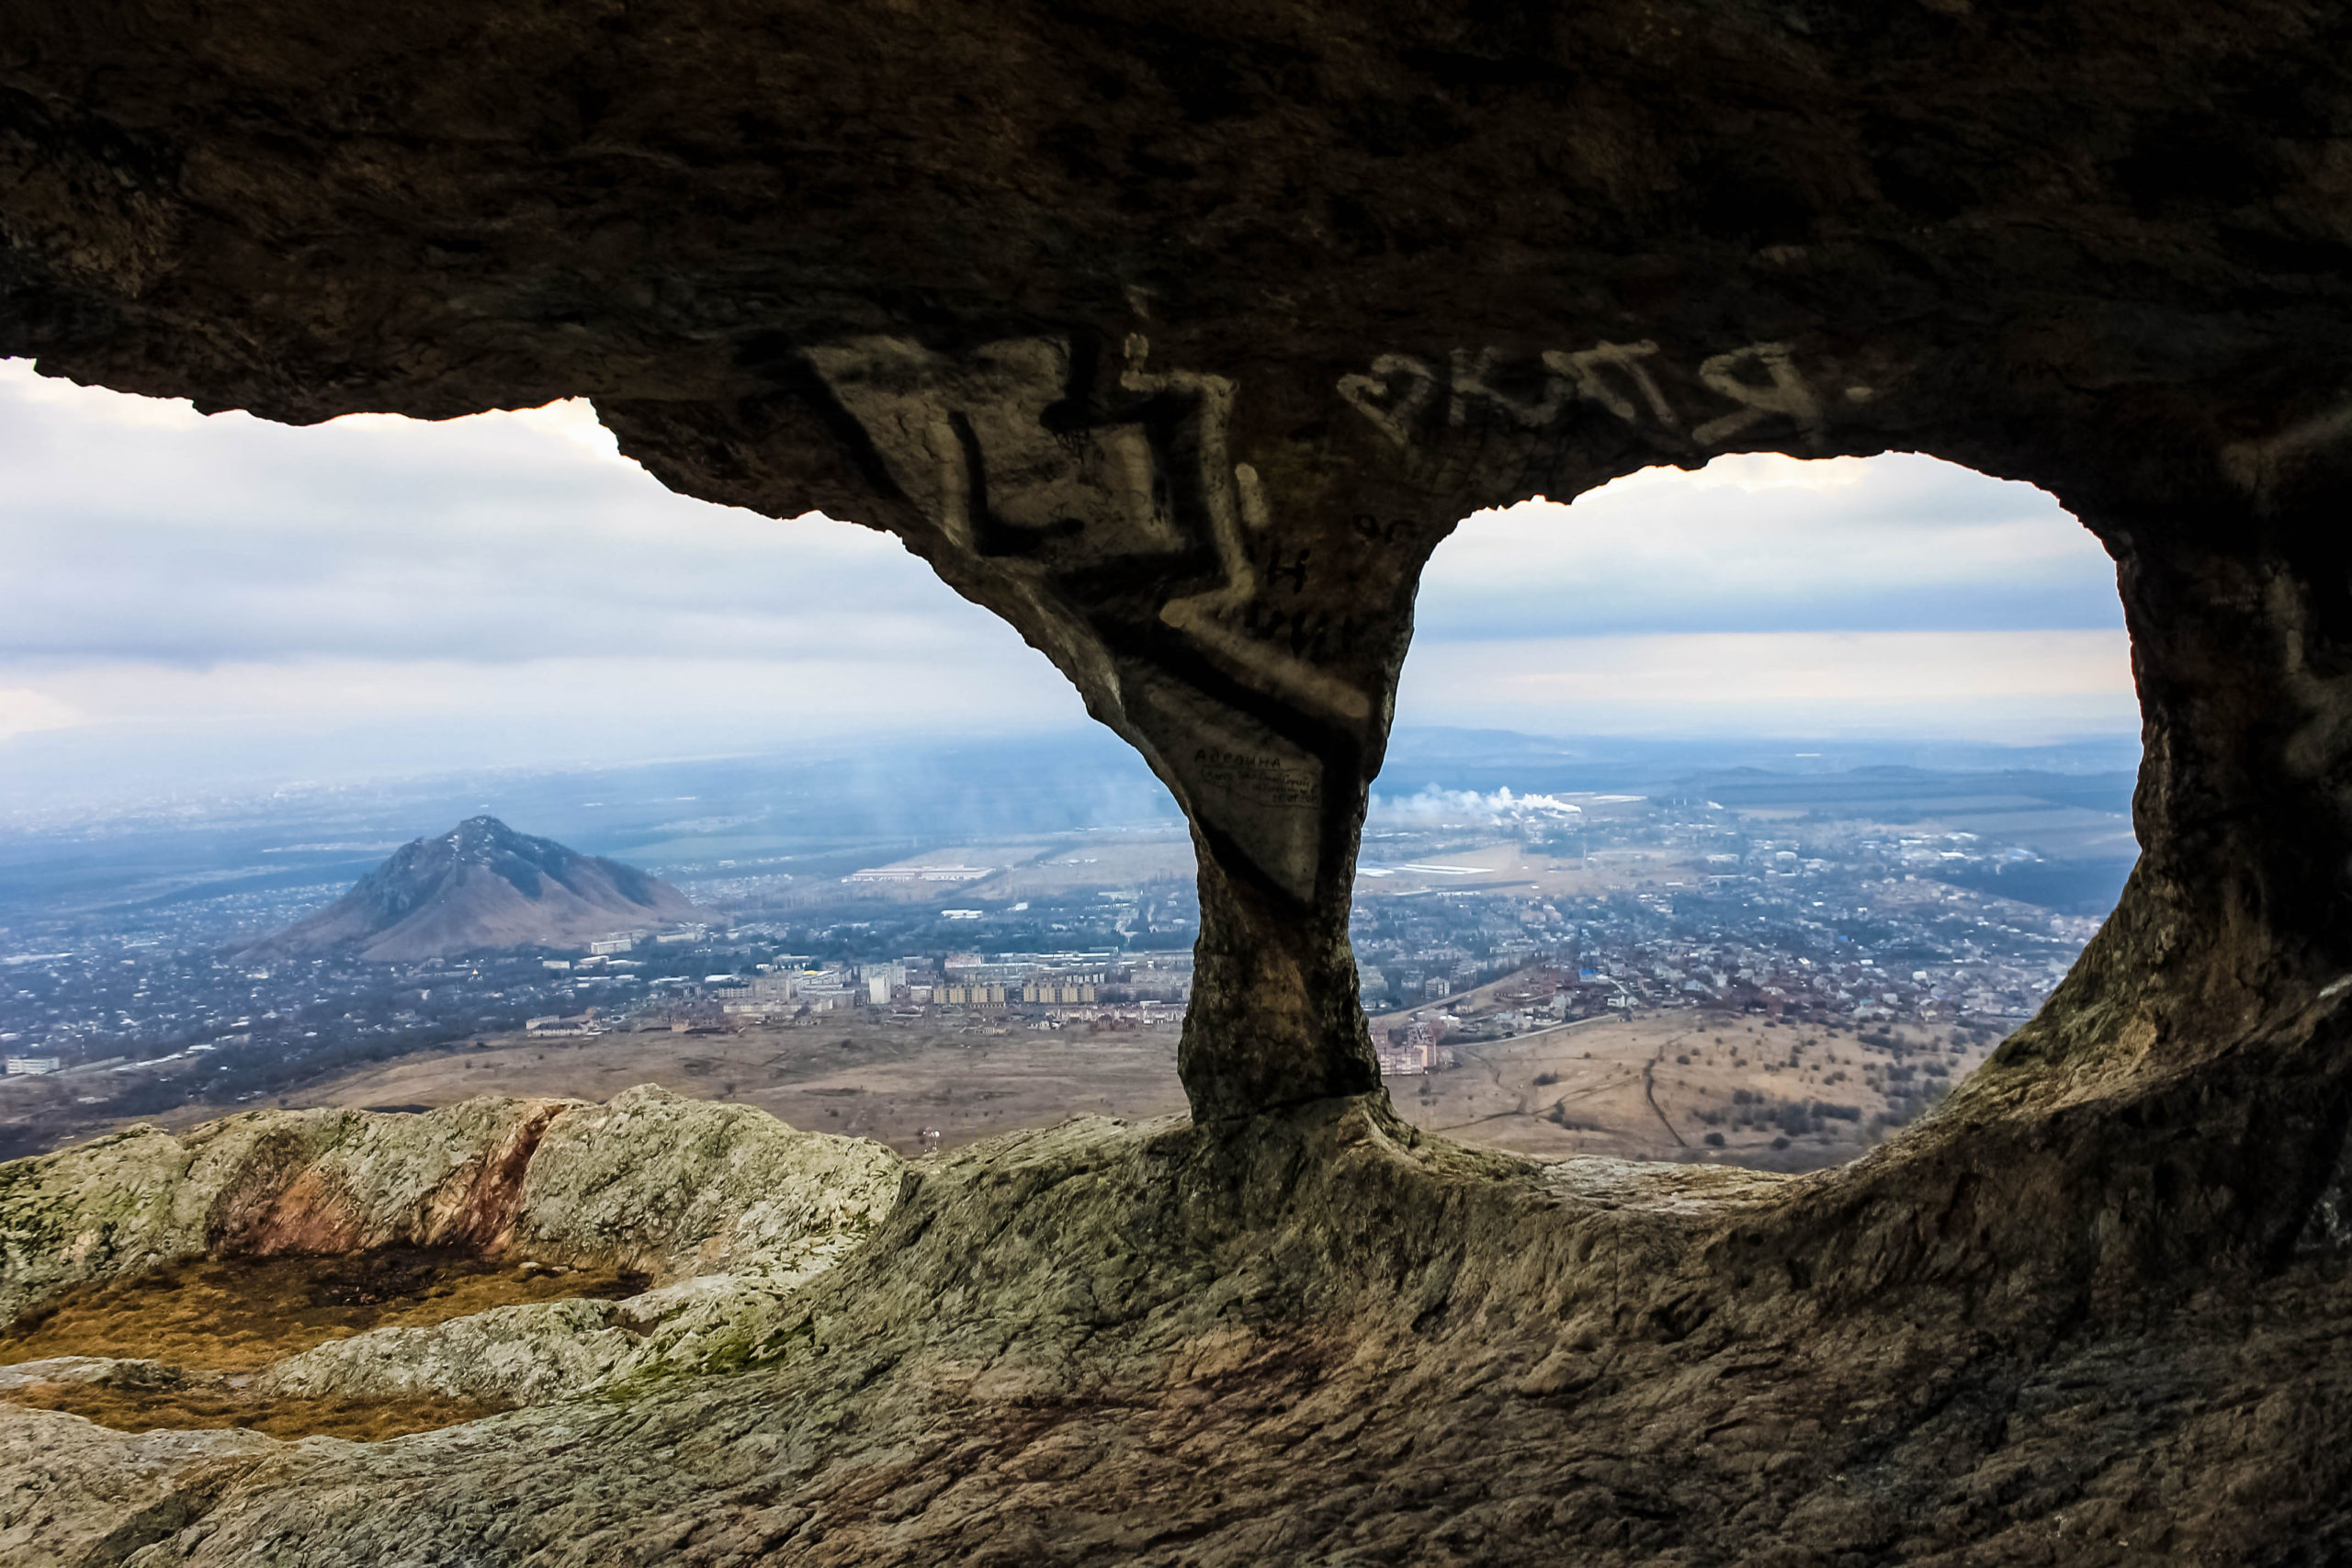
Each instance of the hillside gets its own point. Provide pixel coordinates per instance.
(483, 885)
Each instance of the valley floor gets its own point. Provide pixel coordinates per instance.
(917, 1091)
(1653, 1085)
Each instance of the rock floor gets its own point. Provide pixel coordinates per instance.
(1332, 1343)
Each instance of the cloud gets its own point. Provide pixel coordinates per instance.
(1767, 543)
(187, 592)
(507, 580)
(23, 712)
(2020, 686)
(171, 537)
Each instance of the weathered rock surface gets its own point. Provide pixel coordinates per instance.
(515, 1354)
(652, 1182)
(260, 1183)
(1181, 342)
(729, 1205)
(1330, 1343)
(725, 1207)
(72, 1493)
(532, 1353)
(680, 1188)
(117, 1370)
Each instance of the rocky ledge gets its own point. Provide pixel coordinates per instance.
(721, 1209)
(1318, 1338)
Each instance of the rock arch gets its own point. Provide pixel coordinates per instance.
(1179, 344)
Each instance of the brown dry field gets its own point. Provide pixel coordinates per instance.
(239, 1315)
(916, 1088)
(1619, 1087)
(215, 1405)
(919, 1089)
(1622, 1087)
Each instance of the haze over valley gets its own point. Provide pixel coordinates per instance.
(205, 903)
(1525, 905)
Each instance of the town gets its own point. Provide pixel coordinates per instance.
(1477, 919)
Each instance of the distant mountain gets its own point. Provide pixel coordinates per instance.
(482, 886)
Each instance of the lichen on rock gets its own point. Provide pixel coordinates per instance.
(516, 1355)
(1181, 342)
(654, 1182)
(681, 1187)
(727, 1209)
(78, 1495)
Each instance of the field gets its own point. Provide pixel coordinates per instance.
(1508, 866)
(1654, 1086)
(1058, 867)
(914, 1089)
(1662, 1085)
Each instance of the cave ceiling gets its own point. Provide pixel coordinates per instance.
(1452, 253)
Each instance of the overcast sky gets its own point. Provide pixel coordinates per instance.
(191, 598)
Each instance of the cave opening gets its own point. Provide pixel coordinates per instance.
(1737, 813)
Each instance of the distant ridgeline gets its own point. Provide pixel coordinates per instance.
(483, 885)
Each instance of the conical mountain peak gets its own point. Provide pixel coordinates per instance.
(483, 885)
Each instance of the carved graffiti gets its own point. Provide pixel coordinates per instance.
(1569, 377)
(1761, 381)
(986, 446)
(1783, 392)
(1015, 462)
(1392, 396)
(970, 442)
(1259, 790)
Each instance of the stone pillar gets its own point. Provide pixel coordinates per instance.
(1239, 627)
(1227, 573)
(2242, 640)
(2235, 936)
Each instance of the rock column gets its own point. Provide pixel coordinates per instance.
(1240, 627)
(2233, 941)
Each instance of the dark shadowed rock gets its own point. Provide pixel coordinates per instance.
(480, 886)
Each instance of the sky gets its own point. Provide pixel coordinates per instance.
(216, 600)
(1890, 596)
